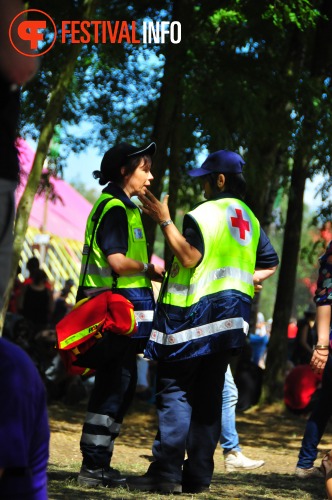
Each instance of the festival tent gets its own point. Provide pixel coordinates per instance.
(66, 217)
(56, 227)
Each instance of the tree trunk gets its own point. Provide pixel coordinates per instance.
(51, 118)
(265, 207)
(174, 171)
(169, 97)
(277, 352)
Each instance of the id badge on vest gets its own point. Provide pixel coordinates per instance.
(137, 234)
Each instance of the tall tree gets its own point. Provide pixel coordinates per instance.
(50, 120)
(312, 97)
(168, 103)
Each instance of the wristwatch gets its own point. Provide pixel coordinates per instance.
(166, 223)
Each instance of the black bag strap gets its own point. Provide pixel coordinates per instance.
(163, 290)
(95, 218)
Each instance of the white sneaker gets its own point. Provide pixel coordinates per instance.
(236, 460)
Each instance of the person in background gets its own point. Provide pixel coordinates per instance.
(17, 287)
(33, 267)
(291, 337)
(115, 256)
(305, 338)
(321, 363)
(229, 440)
(259, 341)
(248, 378)
(15, 70)
(301, 389)
(65, 291)
(201, 319)
(326, 466)
(61, 304)
(35, 301)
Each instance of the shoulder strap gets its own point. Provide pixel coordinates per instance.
(95, 218)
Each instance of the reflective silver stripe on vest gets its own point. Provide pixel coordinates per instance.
(144, 316)
(217, 274)
(199, 331)
(105, 272)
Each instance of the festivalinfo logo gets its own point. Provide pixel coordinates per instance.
(41, 34)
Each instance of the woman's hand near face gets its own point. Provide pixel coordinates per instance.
(151, 206)
(188, 255)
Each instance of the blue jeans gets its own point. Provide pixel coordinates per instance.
(229, 438)
(258, 345)
(189, 406)
(317, 421)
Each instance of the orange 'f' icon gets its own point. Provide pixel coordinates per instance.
(28, 30)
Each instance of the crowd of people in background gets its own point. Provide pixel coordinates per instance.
(33, 311)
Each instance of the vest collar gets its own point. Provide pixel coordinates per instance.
(117, 192)
(219, 196)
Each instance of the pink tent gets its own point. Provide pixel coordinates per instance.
(66, 217)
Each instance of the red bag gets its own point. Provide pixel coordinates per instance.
(85, 324)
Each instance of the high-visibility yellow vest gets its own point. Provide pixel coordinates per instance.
(135, 287)
(230, 233)
(98, 271)
(203, 309)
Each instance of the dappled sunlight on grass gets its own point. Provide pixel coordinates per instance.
(269, 433)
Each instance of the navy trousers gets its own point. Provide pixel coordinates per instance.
(113, 392)
(189, 410)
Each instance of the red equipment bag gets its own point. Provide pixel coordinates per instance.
(86, 323)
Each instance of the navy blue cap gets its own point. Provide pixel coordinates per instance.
(223, 161)
(117, 157)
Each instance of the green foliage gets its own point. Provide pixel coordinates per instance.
(241, 56)
(90, 194)
(301, 13)
(113, 87)
(312, 246)
(228, 16)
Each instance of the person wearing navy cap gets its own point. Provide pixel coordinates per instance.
(201, 319)
(115, 257)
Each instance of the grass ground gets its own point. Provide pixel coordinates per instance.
(268, 433)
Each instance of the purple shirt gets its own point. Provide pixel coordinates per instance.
(24, 429)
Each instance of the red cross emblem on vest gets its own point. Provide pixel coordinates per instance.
(240, 223)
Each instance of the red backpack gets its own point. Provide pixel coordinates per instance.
(86, 324)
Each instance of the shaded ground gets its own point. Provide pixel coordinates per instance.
(269, 433)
